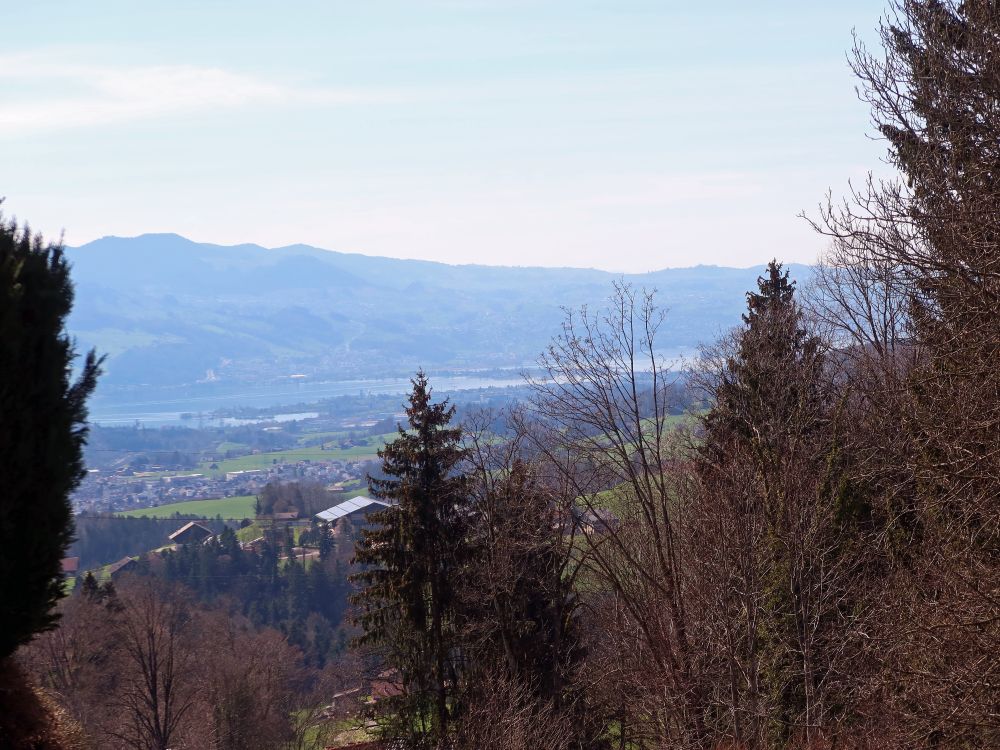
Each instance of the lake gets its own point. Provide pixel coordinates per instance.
(193, 405)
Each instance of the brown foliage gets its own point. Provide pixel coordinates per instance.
(506, 714)
(30, 719)
(604, 427)
(926, 391)
(144, 667)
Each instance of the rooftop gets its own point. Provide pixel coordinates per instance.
(190, 526)
(349, 507)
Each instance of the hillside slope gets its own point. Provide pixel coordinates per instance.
(167, 310)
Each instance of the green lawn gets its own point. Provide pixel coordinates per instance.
(249, 533)
(613, 500)
(317, 437)
(256, 529)
(293, 455)
(229, 446)
(241, 506)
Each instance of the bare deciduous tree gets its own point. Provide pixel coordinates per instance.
(927, 444)
(605, 430)
(506, 714)
(156, 668)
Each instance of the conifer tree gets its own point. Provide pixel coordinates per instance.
(326, 546)
(412, 552)
(762, 383)
(520, 610)
(764, 454)
(42, 430)
(89, 587)
(933, 90)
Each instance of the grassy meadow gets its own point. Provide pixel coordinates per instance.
(240, 506)
(326, 452)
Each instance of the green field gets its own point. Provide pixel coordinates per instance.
(356, 485)
(318, 437)
(293, 455)
(249, 533)
(241, 506)
(228, 446)
(256, 530)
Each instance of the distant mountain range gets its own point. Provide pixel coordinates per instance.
(169, 311)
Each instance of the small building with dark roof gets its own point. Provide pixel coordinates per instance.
(191, 533)
(597, 521)
(122, 566)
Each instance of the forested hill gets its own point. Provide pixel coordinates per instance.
(167, 310)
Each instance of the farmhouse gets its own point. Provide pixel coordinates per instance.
(122, 566)
(354, 509)
(597, 521)
(388, 684)
(70, 565)
(254, 545)
(190, 533)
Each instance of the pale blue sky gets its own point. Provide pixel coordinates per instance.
(623, 135)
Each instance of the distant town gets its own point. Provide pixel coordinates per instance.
(123, 491)
(333, 443)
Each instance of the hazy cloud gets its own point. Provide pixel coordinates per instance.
(41, 94)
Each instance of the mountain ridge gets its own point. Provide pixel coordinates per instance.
(168, 310)
(353, 254)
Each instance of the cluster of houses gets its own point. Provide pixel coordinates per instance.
(343, 518)
(120, 491)
(352, 513)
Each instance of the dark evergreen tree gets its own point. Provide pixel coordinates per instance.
(89, 587)
(325, 541)
(933, 90)
(322, 641)
(412, 553)
(42, 430)
(766, 446)
(298, 590)
(770, 377)
(519, 610)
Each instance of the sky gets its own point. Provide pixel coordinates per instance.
(624, 135)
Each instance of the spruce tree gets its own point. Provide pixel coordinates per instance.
(771, 375)
(765, 441)
(520, 610)
(42, 430)
(934, 90)
(412, 552)
(89, 587)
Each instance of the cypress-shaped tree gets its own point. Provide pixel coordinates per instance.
(412, 552)
(42, 430)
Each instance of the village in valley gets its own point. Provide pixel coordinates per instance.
(334, 443)
(121, 491)
(500, 376)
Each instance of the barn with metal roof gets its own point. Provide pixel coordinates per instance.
(359, 504)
